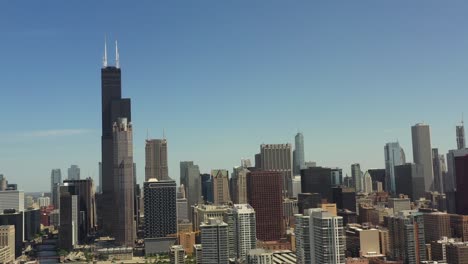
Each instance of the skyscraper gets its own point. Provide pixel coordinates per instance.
(190, 178)
(113, 108)
(7, 239)
(239, 185)
(327, 238)
(220, 186)
(182, 204)
(156, 159)
(245, 229)
(69, 216)
(302, 233)
(264, 195)
(317, 180)
(124, 228)
(461, 185)
(409, 180)
(394, 156)
(74, 172)
(367, 182)
(357, 176)
(214, 238)
(278, 157)
(299, 162)
(55, 180)
(460, 131)
(422, 153)
(160, 208)
(439, 168)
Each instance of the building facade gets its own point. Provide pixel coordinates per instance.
(156, 166)
(278, 157)
(394, 156)
(220, 186)
(160, 208)
(214, 238)
(422, 153)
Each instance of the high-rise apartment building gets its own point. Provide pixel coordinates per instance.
(394, 156)
(190, 178)
(160, 208)
(74, 172)
(214, 238)
(457, 253)
(245, 230)
(69, 216)
(264, 194)
(278, 157)
(422, 153)
(299, 162)
(436, 226)
(156, 166)
(399, 204)
(409, 180)
(460, 132)
(220, 186)
(302, 233)
(357, 176)
(327, 238)
(55, 181)
(177, 254)
(7, 239)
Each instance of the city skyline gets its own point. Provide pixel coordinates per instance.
(66, 113)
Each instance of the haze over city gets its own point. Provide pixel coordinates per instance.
(221, 79)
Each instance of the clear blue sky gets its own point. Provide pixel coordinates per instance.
(222, 77)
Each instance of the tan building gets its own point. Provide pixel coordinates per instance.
(362, 241)
(187, 241)
(202, 213)
(384, 241)
(7, 242)
(330, 207)
(156, 159)
(436, 226)
(220, 187)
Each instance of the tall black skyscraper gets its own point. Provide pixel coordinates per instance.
(113, 108)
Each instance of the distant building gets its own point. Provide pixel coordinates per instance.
(317, 180)
(207, 187)
(264, 194)
(309, 200)
(302, 233)
(344, 197)
(156, 166)
(460, 133)
(399, 204)
(422, 153)
(69, 216)
(357, 175)
(299, 162)
(13, 199)
(296, 186)
(409, 180)
(394, 156)
(74, 172)
(55, 181)
(278, 157)
(461, 169)
(440, 170)
(190, 178)
(43, 201)
(239, 185)
(182, 205)
(220, 186)
(367, 181)
(160, 208)
(214, 238)
(378, 175)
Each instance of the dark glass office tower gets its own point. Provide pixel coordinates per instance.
(113, 108)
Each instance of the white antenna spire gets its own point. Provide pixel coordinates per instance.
(104, 59)
(117, 63)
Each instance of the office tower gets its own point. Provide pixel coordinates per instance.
(207, 187)
(74, 172)
(156, 159)
(278, 157)
(327, 238)
(3, 183)
(99, 188)
(336, 176)
(299, 162)
(123, 221)
(457, 253)
(367, 180)
(344, 197)
(220, 186)
(407, 238)
(399, 204)
(245, 229)
(214, 238)
(202, 212)
(55, 181)
(317, 180)
(160, 208)
(177, 254)
(114, 109)
(32, 223)
(394, 156)
(69, 217)
(182, 205)
(84, 189)
(436, 226)
(357, 176)
(12, 200)
(190, 178)
(461, 184)
(422, 153)
(409, 180)
(450, 178)
(239, 185)
(459, 225)
(43, 201)
(460, 131)
(302, 233)
(296, 186)
(264, 194)
(439, 169)
(260, 256)
(309, 200)
(7, 239)
(377, 175)
(246, 163)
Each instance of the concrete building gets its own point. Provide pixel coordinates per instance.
(12, 199)
(55, 181)
(394, 156)
(399, 204)
(298, 157)
(190, 178)
(220, 186)
(245, 230)
(436, 226)
(278, 157)
(239, 185)
(156, 166)
(296, 186)
(363, 242)
(177, 254)
(439, 248)
(302, 234)
(264, 195)
(74, 172)
(160, 208)
(198, 252)
(203, 212)
(182, 205)
(260, 256)
(43, 201)
(7, 240)
(214, 238)
(422, 153)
